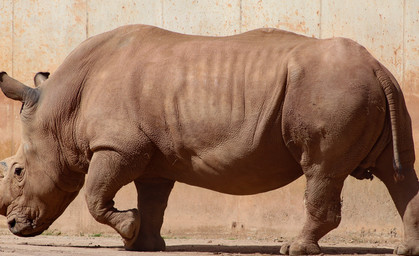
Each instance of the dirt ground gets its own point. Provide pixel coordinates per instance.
(48, 245)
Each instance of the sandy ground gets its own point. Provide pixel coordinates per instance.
(48, 245)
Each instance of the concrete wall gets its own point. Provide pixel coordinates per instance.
(37, 35)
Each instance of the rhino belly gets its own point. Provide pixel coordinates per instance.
(234, 173)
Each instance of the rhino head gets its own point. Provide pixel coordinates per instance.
(34, 183)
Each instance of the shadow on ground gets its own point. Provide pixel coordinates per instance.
(273, 250)
(242, 249)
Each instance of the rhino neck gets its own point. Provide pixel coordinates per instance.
(57, 116)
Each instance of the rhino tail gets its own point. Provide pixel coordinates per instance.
(401, 128)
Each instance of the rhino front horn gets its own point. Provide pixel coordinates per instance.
(15, 90)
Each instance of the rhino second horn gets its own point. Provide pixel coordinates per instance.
(40, 77)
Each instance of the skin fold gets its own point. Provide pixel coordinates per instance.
(241, 115)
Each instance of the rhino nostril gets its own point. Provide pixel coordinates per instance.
(12, 223)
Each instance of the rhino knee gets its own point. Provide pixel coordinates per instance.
(334, 216)
(329, 216)
(96, 209)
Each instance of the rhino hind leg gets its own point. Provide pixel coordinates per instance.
(323, 213)
(405, 195)
(153, 195)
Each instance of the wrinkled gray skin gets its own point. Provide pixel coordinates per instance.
(241, 115)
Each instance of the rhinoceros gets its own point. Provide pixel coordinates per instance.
(240, 114)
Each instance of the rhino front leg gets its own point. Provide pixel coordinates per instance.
(153, 195)
(108, 172)
(323, 213)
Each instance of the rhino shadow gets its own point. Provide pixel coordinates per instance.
(237, 249)
(272, 250)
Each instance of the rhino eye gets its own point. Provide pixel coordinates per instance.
(18, 171)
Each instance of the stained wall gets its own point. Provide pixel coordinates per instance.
(37, 35)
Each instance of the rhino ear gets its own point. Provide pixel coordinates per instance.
(15, 90)
(40, 77)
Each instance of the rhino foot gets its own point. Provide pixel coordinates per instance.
(148, 243)
(285, 249)
(402, 249)
(129, 226)
(300, 248)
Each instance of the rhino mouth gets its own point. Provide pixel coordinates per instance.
(25, 227)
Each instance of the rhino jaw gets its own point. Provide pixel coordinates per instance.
(24, 227)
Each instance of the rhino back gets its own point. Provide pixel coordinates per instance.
(207, 93)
